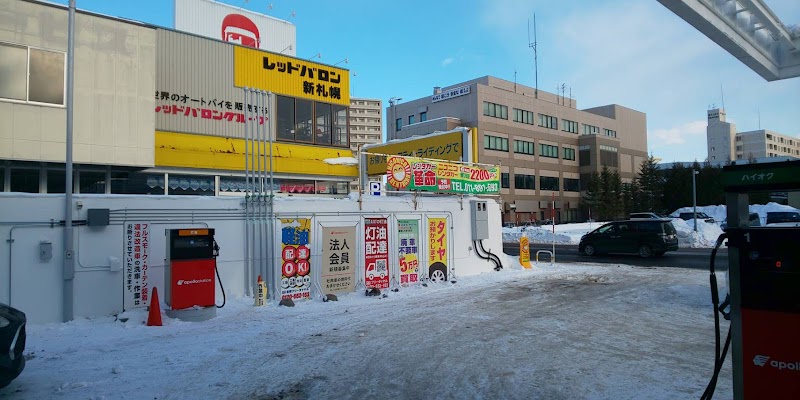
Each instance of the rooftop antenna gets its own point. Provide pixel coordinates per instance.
(759, 119)
(570, 97)
(563, 93)
(535, 56)
(722, 95)
(515, 81)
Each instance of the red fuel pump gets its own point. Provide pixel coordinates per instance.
(764, 285)
(191, 265)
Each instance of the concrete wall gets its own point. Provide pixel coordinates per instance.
(114, 85)
(35, 285)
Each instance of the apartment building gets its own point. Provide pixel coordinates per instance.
(725, 144)
(546, 147)
(365, 122)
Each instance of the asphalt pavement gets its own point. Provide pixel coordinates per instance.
(683, 258)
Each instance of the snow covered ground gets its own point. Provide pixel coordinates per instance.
(706, 235)
(559, 331)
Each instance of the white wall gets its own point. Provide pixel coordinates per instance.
(36, 286)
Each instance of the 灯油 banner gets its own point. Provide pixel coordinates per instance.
(436, 176)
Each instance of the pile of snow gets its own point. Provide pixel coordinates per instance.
(341, 161)
(550, 332)
(719, 213)
(706, 235)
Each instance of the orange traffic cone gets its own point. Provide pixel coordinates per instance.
(154, 315)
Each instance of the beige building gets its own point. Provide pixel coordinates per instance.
(365, 122)
(725, 144)
(546, 146)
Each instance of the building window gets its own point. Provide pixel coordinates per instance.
(411, 119)
(572, 185)
(504, 180)
(609, 156)
(590, 129)
(546, 150)
(585, 155)
(32, 75)
(548, 121)
(569, 126)
(323, 124)
(525, 117)
(738, 148)
(569, 154)
(495, 110)
(524, 181)
(610, 133)
(495, 143)
(398, 124)
(340, 136)
(95, 182)
(769, 137)
(423, 116)
(523, 147)
(25, 180)
(548, 183)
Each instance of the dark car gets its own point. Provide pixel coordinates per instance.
(12, 343)
(644, 237)
(753, 220)
(788, 218)
(688, 216)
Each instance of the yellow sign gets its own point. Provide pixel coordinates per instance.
(447, 147)
(185, 150)
(525, 252)
(290, 76)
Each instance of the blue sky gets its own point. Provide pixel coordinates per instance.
(631, 52)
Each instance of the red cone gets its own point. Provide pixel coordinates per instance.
(154, 315)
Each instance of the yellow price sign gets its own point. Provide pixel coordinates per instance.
(525, 252)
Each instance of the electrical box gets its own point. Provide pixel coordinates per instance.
(45, 250)
(480, 219)
(97, 216)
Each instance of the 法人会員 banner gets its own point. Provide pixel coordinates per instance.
(436, 176)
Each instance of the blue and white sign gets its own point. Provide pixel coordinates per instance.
(375, 188)
(454, 92)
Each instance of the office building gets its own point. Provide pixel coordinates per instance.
(725, 144)
(547, 148)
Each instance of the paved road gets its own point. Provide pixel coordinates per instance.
(683, 258)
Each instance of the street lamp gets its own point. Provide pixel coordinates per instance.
(346, 61)
(694, 196)
(393, 102)
(318, 55)
(289, 47)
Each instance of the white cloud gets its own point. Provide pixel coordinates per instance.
(679, 134)
(447, 61)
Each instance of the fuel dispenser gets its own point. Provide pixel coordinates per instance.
(764, 289)
(189, 281)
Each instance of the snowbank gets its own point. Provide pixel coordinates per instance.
(705, 237)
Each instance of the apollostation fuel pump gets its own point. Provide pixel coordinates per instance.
(764, 286)
(189, 281)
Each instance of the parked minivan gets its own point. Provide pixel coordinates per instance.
(644, 237)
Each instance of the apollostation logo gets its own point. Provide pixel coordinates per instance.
(182, 282)
(762, 361)
(236, 28)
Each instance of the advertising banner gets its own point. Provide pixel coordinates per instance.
(235, 25)
(338, 272)
(408, 235)
(376, 253)
(290, 76)
(436, 176)
(445, 146)
(295, 258)
(136, 253)
(437, 249)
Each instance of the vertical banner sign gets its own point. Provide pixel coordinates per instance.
(338, 274)
(408, 234)
(295, 258)
(137, 244)
(437, 249)
(525, 252)
(376, 253)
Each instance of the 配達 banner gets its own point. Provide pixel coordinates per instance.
(437, 176)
